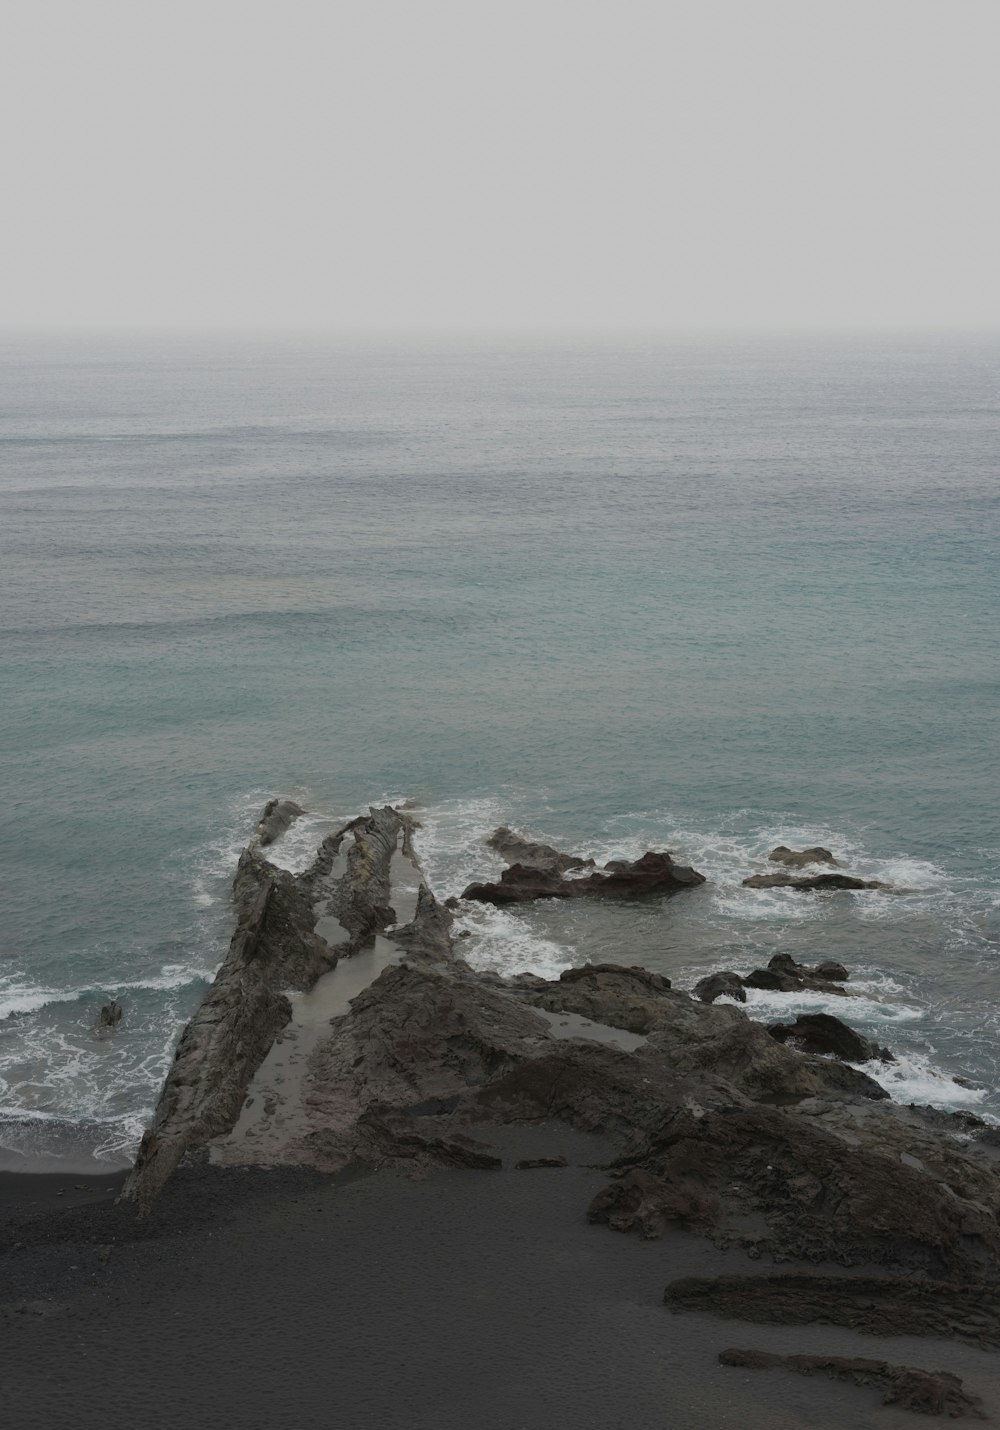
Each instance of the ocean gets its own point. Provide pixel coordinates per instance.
(620, 592)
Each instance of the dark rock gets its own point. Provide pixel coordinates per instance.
(654, 873)
(822, 1033)
(926, 1392)
(609, 993)
(811, 881)
(796, 858)
(276, 816)
(716, 985)
(111, 1014)
(530, 1164)
(518, 850)
(875, 1305)
(784, 975)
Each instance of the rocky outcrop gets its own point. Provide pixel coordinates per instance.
(277, 816)
(719, 985)
(811, 882)
(654, 873)
(822, 1033)
(518, 850)
(784, 975)
(926, 1392)
(716, 1124)
(798, 858)
(275, 948)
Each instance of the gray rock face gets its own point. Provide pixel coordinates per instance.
(798, 858)
(518, 850)
(276, 816)
(275, 949)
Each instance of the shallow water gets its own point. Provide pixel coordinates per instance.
(701, 595)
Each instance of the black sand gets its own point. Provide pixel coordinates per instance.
(289, 1299)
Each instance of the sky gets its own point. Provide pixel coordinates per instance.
(352, 164)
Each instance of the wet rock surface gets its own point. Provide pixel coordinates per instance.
(654, 873)
(822, 1033)
(811, 882)
(718, 985)
(925, 1392)
(799, 858)
(784, 975)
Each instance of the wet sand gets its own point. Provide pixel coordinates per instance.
(466, 1301)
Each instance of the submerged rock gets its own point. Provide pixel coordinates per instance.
(654, 873)
(811, 881)
(797, 858)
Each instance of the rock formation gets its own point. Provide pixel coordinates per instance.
(797, 858)
(342, 1029)
(811, 882)
(517, 850)
(822, 1033)
(654, 873)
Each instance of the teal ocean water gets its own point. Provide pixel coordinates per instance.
(703, 595)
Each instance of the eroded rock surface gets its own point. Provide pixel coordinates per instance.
(926, 1392)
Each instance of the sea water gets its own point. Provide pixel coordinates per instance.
(701, 594)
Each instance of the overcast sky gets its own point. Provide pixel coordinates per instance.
(544, 163)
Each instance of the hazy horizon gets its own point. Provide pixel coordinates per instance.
(702, 166)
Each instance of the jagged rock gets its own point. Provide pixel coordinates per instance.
(276, 816)
(718, 985)
(822, 1033)
(274, 947)
(784, 975)
(532, 1164)
(927, 1392)
(518, 850)
(654, 873)
(811, 881)
(875, 1305)
(796, 858)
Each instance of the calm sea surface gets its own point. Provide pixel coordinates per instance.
(700, 595)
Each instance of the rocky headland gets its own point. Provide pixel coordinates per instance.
(344, 1036)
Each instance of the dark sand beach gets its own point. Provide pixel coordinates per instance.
(289, 1298)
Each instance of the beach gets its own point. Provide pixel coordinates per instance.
(288, 1298)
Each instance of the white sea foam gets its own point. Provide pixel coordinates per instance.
(914, 1078)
